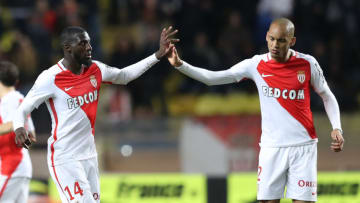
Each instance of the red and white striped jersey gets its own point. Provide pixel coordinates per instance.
(72, 102)
(284, 92)
(14, 161)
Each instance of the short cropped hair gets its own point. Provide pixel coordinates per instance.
(9, 73)
(68, 34)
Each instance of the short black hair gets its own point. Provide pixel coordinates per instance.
(68, 34)
(9, 73)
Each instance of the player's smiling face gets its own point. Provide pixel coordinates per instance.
(279, 42)
(81, 49)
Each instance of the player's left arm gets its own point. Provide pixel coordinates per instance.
(331, 105)
(129, 73)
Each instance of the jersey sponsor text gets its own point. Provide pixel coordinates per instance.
(78, 101)
(284, 93)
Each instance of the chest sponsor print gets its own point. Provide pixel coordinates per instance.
(79, 101)
(283, 93)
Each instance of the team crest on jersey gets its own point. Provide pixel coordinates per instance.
(301, 76)
(93, 80)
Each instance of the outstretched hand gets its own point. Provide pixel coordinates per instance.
(338, 140)
(166, 42)
(23, 139)
(174, 58)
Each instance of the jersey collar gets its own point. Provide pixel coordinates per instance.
(293, 54)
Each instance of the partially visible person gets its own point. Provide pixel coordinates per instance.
(15, 163)
(284, 78)
(70, 89)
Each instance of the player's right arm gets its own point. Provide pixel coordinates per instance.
(130, 73)
(41, 91)
(231, 75)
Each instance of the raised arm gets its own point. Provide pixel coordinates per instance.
(129, 73)
(234, 74)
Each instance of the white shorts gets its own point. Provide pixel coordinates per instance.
(292, 167)
(14, 190)
(77, 181)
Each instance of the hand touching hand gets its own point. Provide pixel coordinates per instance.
(338, 140)
(166, 42)
(174, 58)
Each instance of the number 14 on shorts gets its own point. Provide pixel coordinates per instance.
(77, 190)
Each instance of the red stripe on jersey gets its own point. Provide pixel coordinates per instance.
(60, 67)
(4, 186)
(295, 75)
(52, 106)
(80, 88)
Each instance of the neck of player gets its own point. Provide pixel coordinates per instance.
(284, 59)
(73, 66)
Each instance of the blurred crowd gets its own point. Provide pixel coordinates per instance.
(213, 34)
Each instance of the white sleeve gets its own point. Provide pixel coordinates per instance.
(41, 91)
(234, 74)
(321, 87)
(127, 74)
(29, 124)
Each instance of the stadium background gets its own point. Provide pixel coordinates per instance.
(167, 124)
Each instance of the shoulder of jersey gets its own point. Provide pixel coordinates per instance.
(261, 57)
(12, 97)
(99, 64)
(52, 71)
(18, 94)
(307, 57)
(48, 75)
